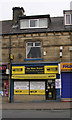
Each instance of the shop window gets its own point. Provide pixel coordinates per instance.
(33, 50)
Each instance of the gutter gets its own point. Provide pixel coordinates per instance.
(35, 32)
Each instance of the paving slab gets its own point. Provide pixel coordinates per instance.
(35, 105)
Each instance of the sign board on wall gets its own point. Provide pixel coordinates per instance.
(66, 66)
(51, 69)
(34, 76)
(58, 83)
(18, 69)
(3, 69)
(34, 70)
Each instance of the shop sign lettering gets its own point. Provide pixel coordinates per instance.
(66, 66)
(34, 76)
(3, 69)
(34, 70)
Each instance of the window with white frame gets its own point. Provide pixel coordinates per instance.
(33, 50)
(68, 19)
(34, 23)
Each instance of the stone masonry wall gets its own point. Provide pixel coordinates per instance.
(50, 43)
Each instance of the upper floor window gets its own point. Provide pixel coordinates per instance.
(33, 50)
(34, 23)
(68, 19)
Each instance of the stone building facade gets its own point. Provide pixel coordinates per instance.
(55, 40)
(50, 43)
(52, 38)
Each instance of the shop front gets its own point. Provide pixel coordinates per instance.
(3, 79)
(66, 81)
(36, 81)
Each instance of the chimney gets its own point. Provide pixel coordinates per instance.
(17, 11)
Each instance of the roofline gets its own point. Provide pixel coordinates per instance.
(12, 20)
(34, 16)
(36, 32)
(64, 11)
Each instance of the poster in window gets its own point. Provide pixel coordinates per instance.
(58, 83)
(21, 87)
(37, 87)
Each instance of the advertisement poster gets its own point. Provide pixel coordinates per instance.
(58, 83)
(5, 88)
(37, 87)
(21, 87)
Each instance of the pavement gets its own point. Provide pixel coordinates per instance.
(34, 105)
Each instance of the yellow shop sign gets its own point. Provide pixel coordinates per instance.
(34, 76)
(18, 70)
(51, 69)
(66, 66)
(37, 92)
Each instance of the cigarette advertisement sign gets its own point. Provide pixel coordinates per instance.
(18, 69)
(51, 69)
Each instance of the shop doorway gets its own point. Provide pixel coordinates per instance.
(50, 90)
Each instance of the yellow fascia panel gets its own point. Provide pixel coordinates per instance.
(34, 76)
(18, 70)
(51, 69)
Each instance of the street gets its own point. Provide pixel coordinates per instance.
(36, 113)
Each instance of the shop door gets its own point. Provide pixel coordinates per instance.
(50, 90)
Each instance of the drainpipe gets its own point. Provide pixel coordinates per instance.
(10, 69)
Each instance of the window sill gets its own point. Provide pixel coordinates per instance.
(33, 59)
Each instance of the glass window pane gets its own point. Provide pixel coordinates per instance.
(67, 19)
(43, 22)
(34, 52)
(37, 44)
(30, 44)
(33, 23)
(24, 24)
